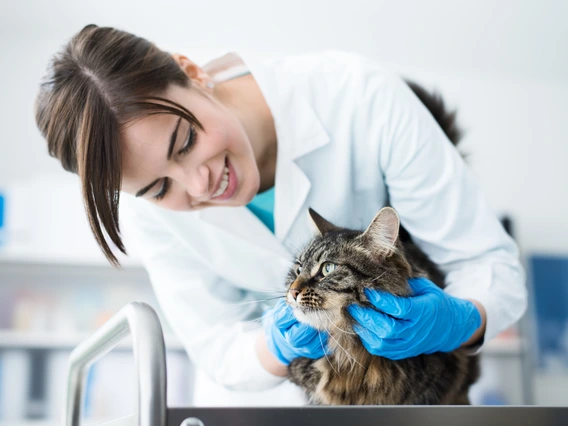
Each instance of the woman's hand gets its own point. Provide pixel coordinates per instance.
(428, 321)
(287, 338)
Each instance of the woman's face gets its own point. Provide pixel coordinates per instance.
(179, 170)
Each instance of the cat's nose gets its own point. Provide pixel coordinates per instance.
(294, 293)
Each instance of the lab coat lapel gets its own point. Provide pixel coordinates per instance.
(302, 133)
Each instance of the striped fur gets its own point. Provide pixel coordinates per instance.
(351, 375)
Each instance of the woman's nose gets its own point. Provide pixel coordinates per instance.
(196, 182)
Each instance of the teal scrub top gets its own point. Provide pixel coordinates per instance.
(262, 205)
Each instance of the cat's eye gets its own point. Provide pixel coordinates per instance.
(298, 269)
(327, 268)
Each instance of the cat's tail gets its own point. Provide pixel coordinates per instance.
(435, 104)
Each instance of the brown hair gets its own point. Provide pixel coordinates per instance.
(103, 79)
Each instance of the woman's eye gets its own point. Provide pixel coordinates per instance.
(327, 268)
(189, 141)
(165, 186)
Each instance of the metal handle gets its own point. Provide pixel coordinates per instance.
(140, 320)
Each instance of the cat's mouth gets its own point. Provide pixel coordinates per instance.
(307, 310)
(312, 316)
(304, 307)
(305, 299)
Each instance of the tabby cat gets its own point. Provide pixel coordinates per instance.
(331, 274)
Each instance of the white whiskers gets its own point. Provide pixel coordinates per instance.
(325, 353)
(248, 302)
(347, 353)
(352, 360)
(332, 323)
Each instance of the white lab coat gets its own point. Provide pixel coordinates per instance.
(352, 137)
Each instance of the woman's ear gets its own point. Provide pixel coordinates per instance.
(193, 71)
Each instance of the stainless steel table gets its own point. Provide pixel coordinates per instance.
(140, 320)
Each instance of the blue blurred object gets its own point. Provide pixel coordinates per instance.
(494, 397)
(262, 205)
(1, 211)
(87, 402)
(550, 283)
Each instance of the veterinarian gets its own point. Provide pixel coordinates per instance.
(211, 171)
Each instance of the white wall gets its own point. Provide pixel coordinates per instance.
(502, 63)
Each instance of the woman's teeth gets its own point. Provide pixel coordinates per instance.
(224, 183)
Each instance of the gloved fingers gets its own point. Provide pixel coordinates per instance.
(397, 349)
(294, 339)
(381, 325)
(369, 339)
(398, 307)
(300, 334)
(314, 348)
(323, 348)
(283, 315)
(464, 331)
(415, 330)
(388, 348)
(421, 285)
(323, 338)
(369, 346)
(319, 347)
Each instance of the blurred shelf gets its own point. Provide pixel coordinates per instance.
(24, 255)
(16, 270)
(53, 341)
(30, 423)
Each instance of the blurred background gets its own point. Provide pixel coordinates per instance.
(502, 64)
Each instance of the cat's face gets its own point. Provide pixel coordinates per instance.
(338, 264)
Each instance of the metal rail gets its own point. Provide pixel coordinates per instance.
(141, 321)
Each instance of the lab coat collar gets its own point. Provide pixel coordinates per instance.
(299, 132)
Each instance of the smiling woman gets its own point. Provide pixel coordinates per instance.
(334, 131)
(181, 167)
(83, 103)
(130, 128)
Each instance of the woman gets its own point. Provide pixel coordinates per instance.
(185, 149)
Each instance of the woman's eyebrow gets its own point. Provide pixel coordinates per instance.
(173, 138)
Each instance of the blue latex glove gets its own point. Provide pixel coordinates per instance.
(427, 322)
(287, 338)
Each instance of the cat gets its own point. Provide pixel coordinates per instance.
(351, 375)
(329, 275)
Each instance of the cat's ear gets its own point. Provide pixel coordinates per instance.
(321, 225)
(382, 233)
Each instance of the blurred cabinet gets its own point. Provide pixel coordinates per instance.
(48, 309)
